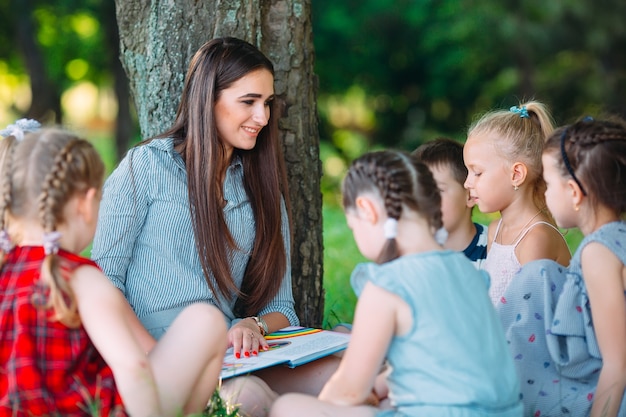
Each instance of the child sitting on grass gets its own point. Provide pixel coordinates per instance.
(423, 308)
(566, 327)
(503, 157)
(444, 157)
(71, 344)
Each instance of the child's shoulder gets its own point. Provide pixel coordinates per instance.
(612, 235)
(542, 240)
(75, 260)
(71, 263)
(404, 269)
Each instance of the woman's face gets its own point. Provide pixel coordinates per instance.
(243, 109)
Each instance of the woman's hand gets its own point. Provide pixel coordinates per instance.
(246, 339)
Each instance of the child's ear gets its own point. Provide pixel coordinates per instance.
(576, 193)
(519, 171)
(366, 209)
(86, 207)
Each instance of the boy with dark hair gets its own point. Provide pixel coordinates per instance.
(444, 157)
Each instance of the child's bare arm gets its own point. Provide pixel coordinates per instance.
(604, 274)
(105, 315)
(373, 327)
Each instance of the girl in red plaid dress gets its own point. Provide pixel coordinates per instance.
(70, 343)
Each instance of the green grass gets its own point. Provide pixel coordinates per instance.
(340, 257)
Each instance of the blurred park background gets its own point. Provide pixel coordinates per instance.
(392, 73)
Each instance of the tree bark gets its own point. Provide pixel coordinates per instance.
(157, 40)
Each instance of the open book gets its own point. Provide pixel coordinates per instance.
(291, 346)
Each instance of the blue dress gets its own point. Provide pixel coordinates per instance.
(547, 321)
(454, 361)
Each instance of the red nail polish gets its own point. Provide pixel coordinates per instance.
(247, 354)
(237, 355)
(254, 352)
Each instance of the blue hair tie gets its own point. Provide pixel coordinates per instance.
(522, 111)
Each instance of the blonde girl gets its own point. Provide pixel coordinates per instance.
(503, 157)
(71, 344)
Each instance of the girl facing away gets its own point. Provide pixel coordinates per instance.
(422, 308)
(503, 157)
(577, 361)
(71, 344)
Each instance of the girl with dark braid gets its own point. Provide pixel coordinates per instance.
(567, 326)
(70, 343)
(422, 308)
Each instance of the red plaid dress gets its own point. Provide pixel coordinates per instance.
(46, 368)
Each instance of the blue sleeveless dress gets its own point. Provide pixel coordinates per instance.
(548, 324)
(454, 362)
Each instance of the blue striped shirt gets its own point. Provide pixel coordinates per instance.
(145, 244)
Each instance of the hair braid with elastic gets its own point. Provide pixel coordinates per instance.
(54, 195)
(390, 191)
(7, 152)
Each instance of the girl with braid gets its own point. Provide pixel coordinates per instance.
(71, 345)
(567, 326)
(423, 308)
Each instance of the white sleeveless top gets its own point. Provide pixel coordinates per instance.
(502, 263)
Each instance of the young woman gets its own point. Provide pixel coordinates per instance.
(200, 212)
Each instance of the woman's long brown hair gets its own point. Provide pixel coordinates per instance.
(216, 66)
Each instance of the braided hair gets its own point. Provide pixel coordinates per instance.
(40, 174)
(593, 153)
(402, 182)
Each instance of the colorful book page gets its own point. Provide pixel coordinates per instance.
(292, 331)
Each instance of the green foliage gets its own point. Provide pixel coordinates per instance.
(217, 407)
(71, 39)
(428, 68)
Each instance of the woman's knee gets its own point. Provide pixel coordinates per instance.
(250, 394)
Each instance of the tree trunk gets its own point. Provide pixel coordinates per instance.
(157, 40)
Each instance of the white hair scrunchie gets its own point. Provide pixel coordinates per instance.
(5, 242)
(19, 127)
(51, 242)
(441, 235)
(390, 228)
